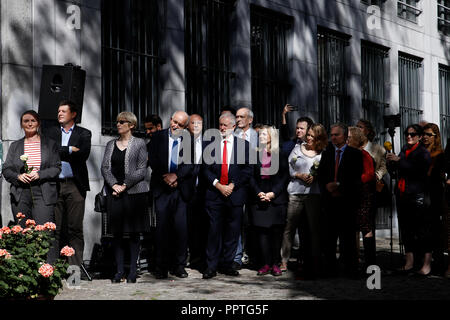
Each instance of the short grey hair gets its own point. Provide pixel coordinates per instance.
(230, 116)
(184, 113)
(249, 112)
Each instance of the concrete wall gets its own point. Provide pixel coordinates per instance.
(34, 33)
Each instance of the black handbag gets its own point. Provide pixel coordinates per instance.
(100, 201)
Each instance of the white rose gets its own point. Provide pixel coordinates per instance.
(24, 157)
(316, 163)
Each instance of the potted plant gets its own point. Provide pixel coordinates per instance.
(24, 274)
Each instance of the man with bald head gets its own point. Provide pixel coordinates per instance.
(172, 186)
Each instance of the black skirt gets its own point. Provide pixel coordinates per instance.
(266, 215)
(128, 213)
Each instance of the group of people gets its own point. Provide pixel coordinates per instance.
(236, 194)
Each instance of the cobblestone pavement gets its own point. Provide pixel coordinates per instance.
(249, 286)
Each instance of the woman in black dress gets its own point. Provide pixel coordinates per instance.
(436, 184)
(269, 200)
(412, 165)
(124, 168)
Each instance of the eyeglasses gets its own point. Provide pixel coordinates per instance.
(123, 121)
(429, 134)
(412, 134)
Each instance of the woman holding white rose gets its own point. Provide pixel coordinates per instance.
(304, 208)
(32, 167)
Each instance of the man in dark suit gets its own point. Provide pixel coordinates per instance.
(339, 177)
(74, 148)
(197, 220)
(226, 192)
(172, 187)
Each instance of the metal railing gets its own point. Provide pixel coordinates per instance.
(444, 102)
(332, 77)
(443, 16)
(269, 63)
(131, 61)
(207, 57)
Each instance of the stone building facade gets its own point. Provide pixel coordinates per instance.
(335, 60)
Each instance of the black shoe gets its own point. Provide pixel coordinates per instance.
(180, 273)
(229, 272)
(208, 274)
(131, 278)
(236, 266)
(159, 274)
(117, 278)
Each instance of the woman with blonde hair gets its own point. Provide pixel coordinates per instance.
(269, 200)
(366, 210)
(304, 207)
(124, 168)
(436, 179)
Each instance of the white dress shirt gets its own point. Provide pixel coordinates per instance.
(171, 141)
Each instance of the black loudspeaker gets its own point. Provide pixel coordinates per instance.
(60, 83)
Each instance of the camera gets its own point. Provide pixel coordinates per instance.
(392, 121)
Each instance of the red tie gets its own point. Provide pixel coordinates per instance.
(224, 172)
(336, 164)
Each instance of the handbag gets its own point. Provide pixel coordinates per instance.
(100, 201)
(383, 196)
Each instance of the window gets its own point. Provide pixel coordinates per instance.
(130, 60)
(270, 86)
(409, 73)
(373, 78)
(408, 9)
(207, 57)
(444, 16)
(444, 102)
(373, 2)
(332, 77)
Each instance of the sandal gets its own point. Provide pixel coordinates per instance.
(283, 267)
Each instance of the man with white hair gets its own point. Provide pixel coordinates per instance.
(172, 186)
(244, 130)
(226, 193)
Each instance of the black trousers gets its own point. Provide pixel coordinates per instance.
(69, 215)
(171, 231)
(223, 235)
(32, 205)
(197, 230)
(341, 223)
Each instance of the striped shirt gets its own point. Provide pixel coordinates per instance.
(33, 150)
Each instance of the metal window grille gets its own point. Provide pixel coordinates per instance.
(269, 62)
(332, 77)
(407, 9)
(444, 102)
(409, 69)
(130, 60)
(373, 78)
(443, 15)
(207, 57)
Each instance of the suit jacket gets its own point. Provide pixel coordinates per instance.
(135, 165)
(238, 174)
(159, 162)
(276, 183)
(48, 172)
(447, 158)
(80, 138)
(349, 173)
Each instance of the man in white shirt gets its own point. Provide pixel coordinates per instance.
(226, 192)
(244, 120)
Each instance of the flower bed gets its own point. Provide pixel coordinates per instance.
(24, 274)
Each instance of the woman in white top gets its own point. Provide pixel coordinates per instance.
(304, 199)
